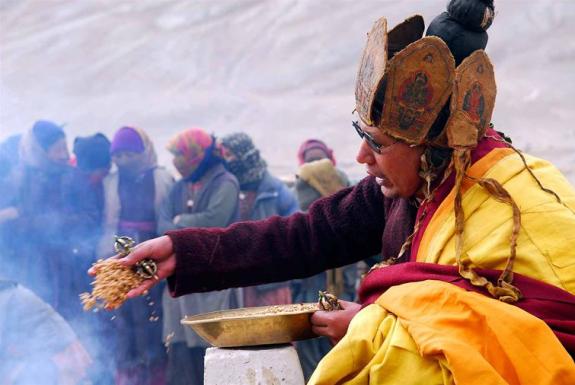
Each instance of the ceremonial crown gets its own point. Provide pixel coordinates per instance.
(405, 80)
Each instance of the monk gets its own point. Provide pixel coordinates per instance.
(478, 280)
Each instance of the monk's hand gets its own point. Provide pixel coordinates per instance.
(160, 250)
(334, 324)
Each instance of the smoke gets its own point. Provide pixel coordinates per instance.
(38, 346)
(51, 222)
(48, 238)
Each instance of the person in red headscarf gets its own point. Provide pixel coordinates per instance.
(205, 196)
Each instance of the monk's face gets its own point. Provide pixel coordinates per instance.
(395, 167)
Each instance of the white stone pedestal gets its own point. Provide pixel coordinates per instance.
(261, 365)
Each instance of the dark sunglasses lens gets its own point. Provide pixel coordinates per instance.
(368, 138)
(372, 143)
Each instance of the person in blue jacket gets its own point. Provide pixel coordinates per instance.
(262, 195)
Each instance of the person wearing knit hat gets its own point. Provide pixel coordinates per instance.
(262, 195)
(92, 152)
(83, 196)
(83, 193)
(243, 159)
(317, 177)
(205, 196)
(132, 198)
(314, 149)
(477, 282)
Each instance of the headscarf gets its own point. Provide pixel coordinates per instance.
(127, 139)
(47, 133)
(314, 144)
(130, 138)
(36, 142)
(198, 149)
(248, 166)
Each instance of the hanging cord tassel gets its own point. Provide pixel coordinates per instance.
(504, 290)
(428, 173)
(548, 191)
(496, 190)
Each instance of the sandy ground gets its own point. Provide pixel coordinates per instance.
(281, 70)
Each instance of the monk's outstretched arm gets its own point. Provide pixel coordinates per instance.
(336, 231)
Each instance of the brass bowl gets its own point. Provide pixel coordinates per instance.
(251, 326)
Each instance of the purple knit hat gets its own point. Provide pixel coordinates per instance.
(127, 139)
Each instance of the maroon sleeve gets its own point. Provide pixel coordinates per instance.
(336, 231)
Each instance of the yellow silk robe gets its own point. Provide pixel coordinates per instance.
(432, 332)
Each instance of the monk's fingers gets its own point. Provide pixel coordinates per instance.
(326, 332)
(142, 289)
(321, 330)
(142, 251)
(166, 267)
(158, 249)
(347, 304)
(322, 317)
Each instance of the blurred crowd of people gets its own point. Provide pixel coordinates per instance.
(59, 213)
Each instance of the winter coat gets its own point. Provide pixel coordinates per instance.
(306, 290)
(163, 182)
(273, 197)
(82, 208)
(210, 202)
(138, 333)
(306, 194)
(39, 234)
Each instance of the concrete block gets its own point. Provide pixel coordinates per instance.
(262, 365)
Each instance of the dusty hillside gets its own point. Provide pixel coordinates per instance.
(281, 70)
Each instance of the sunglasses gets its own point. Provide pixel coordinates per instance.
(372, 143)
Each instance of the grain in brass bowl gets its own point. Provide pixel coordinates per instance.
(251, 326)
